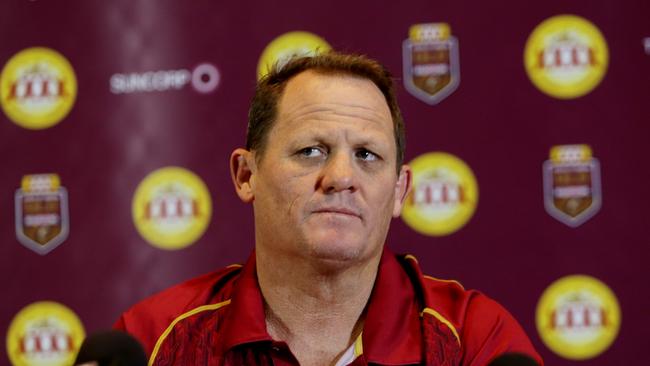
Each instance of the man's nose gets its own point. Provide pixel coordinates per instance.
(339, 173)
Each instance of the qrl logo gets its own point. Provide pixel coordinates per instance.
(444, 195)
(44, 333)
(433, 193)
(36, 86)
(567, 56)
(171, 207)
(578, 316)
(46, 342)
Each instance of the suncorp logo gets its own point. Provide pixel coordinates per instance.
(204, 79)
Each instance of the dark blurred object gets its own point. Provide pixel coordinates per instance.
(111, 348)
(513, 359)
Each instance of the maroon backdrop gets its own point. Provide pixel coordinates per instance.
(497, 121)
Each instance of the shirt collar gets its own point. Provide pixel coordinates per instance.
(244, 321)
(391, 333)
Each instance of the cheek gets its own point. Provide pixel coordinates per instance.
(285, 193)
(385, 191)
(381, 204)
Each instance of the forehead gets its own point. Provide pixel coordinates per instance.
(316, 96)
(315, 86)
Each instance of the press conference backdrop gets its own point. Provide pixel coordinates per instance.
(527, 129)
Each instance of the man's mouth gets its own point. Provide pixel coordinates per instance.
(338, 211)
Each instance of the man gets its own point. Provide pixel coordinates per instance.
(323, 170)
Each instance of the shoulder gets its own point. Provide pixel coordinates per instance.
(149, 319)
(447, 297)
(482, 326)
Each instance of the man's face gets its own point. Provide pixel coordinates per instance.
(325, 187)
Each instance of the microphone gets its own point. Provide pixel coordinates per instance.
(513, 359)
(111, 348)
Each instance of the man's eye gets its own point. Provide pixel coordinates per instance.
(311, 152)
(366, 155)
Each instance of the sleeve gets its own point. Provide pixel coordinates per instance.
(120, 324)
(140, 328)
(490, 331)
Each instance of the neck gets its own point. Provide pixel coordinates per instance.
(316, 310)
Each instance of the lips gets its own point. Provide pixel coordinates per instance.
(338, 210)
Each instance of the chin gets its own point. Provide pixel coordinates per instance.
(338, 253)
(335, 254)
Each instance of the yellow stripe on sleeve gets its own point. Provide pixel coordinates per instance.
(194, 311)
(443, 320)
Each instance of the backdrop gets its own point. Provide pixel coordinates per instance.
(527, 128)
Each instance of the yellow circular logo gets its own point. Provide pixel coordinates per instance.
(566, 56)
(444, 194)
(578, 317)
(44, 333)
(171, 208)
(38, 88)
(282, 48)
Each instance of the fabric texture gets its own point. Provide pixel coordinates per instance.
(411, 319)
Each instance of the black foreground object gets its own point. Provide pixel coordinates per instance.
(111, 348)
(513, 359)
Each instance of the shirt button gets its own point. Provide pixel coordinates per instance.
(276, 348)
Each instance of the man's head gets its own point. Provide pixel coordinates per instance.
(264, 106)
(321, 174)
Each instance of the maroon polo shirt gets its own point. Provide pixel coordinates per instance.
(411, 319)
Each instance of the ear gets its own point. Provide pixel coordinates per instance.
(242, 168)
(402, 189)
